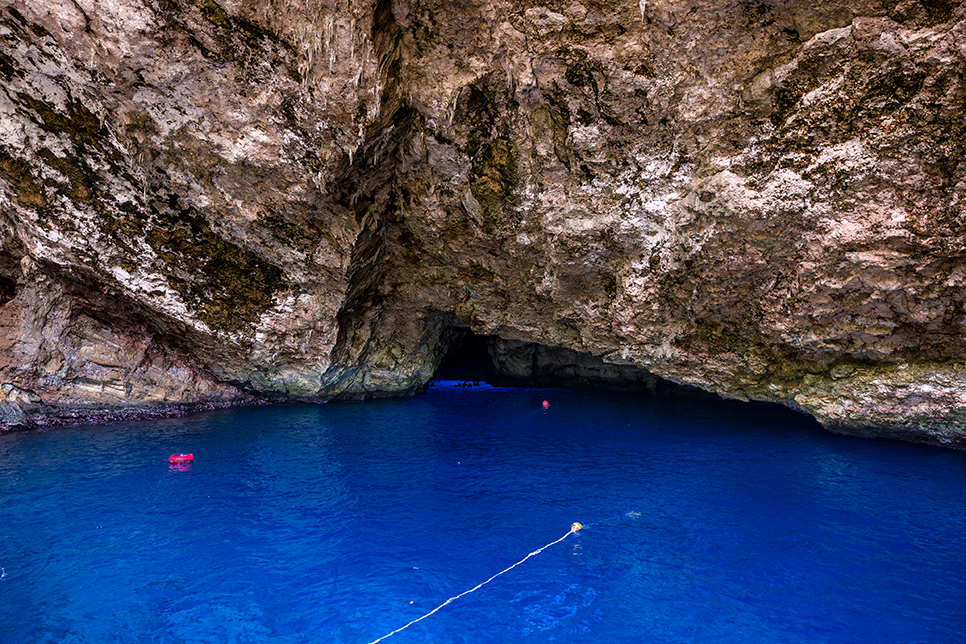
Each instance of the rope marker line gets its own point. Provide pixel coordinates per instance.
(575, 528)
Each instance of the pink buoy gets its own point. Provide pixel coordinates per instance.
(181, 458)
(545, 404)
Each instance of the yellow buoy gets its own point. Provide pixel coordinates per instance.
(576, 527)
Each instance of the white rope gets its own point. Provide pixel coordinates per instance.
(452, 599)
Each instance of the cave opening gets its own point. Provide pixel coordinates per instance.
(501, 362)
(467, 360)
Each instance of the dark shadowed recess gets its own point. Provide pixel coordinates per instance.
(8, 289)
(512, 363)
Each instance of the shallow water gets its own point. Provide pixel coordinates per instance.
(705, 522)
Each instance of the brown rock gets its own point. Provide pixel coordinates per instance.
(204, 202)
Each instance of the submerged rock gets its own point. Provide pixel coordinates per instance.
(210, 203)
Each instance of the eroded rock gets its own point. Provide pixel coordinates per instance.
(207, 203)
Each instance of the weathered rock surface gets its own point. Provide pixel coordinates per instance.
(211, 203)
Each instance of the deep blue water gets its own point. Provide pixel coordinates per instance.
(706, 522)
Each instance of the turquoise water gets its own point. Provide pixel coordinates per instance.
(706, 522)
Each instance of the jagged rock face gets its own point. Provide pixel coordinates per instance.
(205, 203)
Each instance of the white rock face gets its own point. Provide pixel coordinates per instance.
(212, 202)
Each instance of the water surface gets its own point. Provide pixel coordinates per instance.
(706, 522)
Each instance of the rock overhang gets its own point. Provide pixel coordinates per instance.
(304, 200)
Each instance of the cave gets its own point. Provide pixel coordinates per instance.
(468, 359)
(565, 194)
(502, 362)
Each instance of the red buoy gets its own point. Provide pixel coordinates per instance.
(181, 458)
(545, 404)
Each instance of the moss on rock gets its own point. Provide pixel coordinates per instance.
(19, 174)
(494, 177)
(79, 124)
(485, 106)
(229, 285)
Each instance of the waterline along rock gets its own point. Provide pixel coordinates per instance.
(214, 203)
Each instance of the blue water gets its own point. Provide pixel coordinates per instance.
(706, 522)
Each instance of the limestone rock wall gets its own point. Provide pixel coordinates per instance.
(214, 202)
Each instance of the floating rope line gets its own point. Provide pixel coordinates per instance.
(575, 528)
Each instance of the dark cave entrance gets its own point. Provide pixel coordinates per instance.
(500, 362)
(467, 360)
